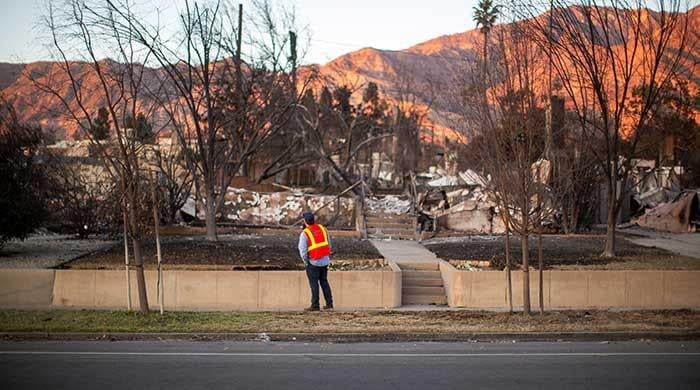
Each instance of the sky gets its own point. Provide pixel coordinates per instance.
(337, 26)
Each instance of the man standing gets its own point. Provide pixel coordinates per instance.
(315, 251)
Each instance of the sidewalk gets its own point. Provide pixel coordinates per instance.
(405, 252)
(687, 244)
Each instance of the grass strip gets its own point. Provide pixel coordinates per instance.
(56, 321)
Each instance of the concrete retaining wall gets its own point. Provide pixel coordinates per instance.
(196, 290)
(26, 288)
(576, 289)
(288, 290)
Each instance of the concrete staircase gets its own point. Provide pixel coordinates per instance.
(422, 284)
(382, 225)
(420, 272)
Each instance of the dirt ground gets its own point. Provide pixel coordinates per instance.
(236, 252)
(561, 252)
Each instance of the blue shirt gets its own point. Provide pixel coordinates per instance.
(304, 252)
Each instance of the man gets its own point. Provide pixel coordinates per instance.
(315, 251)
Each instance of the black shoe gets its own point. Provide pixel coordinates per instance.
(328, 307)
(311, 308)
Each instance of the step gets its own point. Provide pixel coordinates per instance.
(370, 219)
(423, 266)
(389, 225)
(389, 232)
(410, 299)
(389, 217)
(421, 274)
(391, 236)
(422, 282)
(422, 290)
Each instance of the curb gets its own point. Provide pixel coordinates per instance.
(357, 337)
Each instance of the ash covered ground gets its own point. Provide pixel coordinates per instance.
(559, 252)
(233, 251)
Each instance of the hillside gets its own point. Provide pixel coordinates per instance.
(430, 69)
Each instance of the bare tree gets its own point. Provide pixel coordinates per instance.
(601, 51)
(85, 30)
(222, 108)
(506, 133)
(412, 102)
(175, 181)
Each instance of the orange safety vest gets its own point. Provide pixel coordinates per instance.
(317, 241)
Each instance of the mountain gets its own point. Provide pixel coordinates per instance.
(437, 64)
(430, 70)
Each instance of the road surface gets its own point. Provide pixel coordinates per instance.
(258, 365)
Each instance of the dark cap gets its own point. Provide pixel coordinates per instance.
(309, 217)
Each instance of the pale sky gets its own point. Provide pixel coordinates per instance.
(337, 26)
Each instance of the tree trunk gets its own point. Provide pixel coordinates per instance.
(573, 221)
(612, 219)
(210, 213)
(567, 211)
(485, 54)
(610, 237)
(156, 229)
(138, 259)
(525, 246)
(540, 265)
(509, 283)
(140, 279)
(126, 256)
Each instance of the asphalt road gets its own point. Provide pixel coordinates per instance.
(257, 365)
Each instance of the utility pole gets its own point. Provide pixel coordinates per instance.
(548, 130)
(293, 59)
(239, 43)
(239, 79)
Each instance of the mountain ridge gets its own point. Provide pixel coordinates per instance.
(428, 67)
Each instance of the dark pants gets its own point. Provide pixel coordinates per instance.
(319, 275)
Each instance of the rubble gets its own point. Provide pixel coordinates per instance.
(436, 177)
(681, 215)
(541, 171)
(471, 208)
(654, 197)
(280, 208)
(472, 178)
(444, 181)
(466, 209)
(472, 221)
(657, 200)
(389, 204)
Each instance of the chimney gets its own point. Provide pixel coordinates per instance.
(667, 151)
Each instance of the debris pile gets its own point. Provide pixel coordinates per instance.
(466, 208)
(280, 208)
(659, 203)
(680, 215)
(389, 204)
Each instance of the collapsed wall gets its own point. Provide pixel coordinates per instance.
(680, 215)
(471, 211)
(286, 208)
(460, 202)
